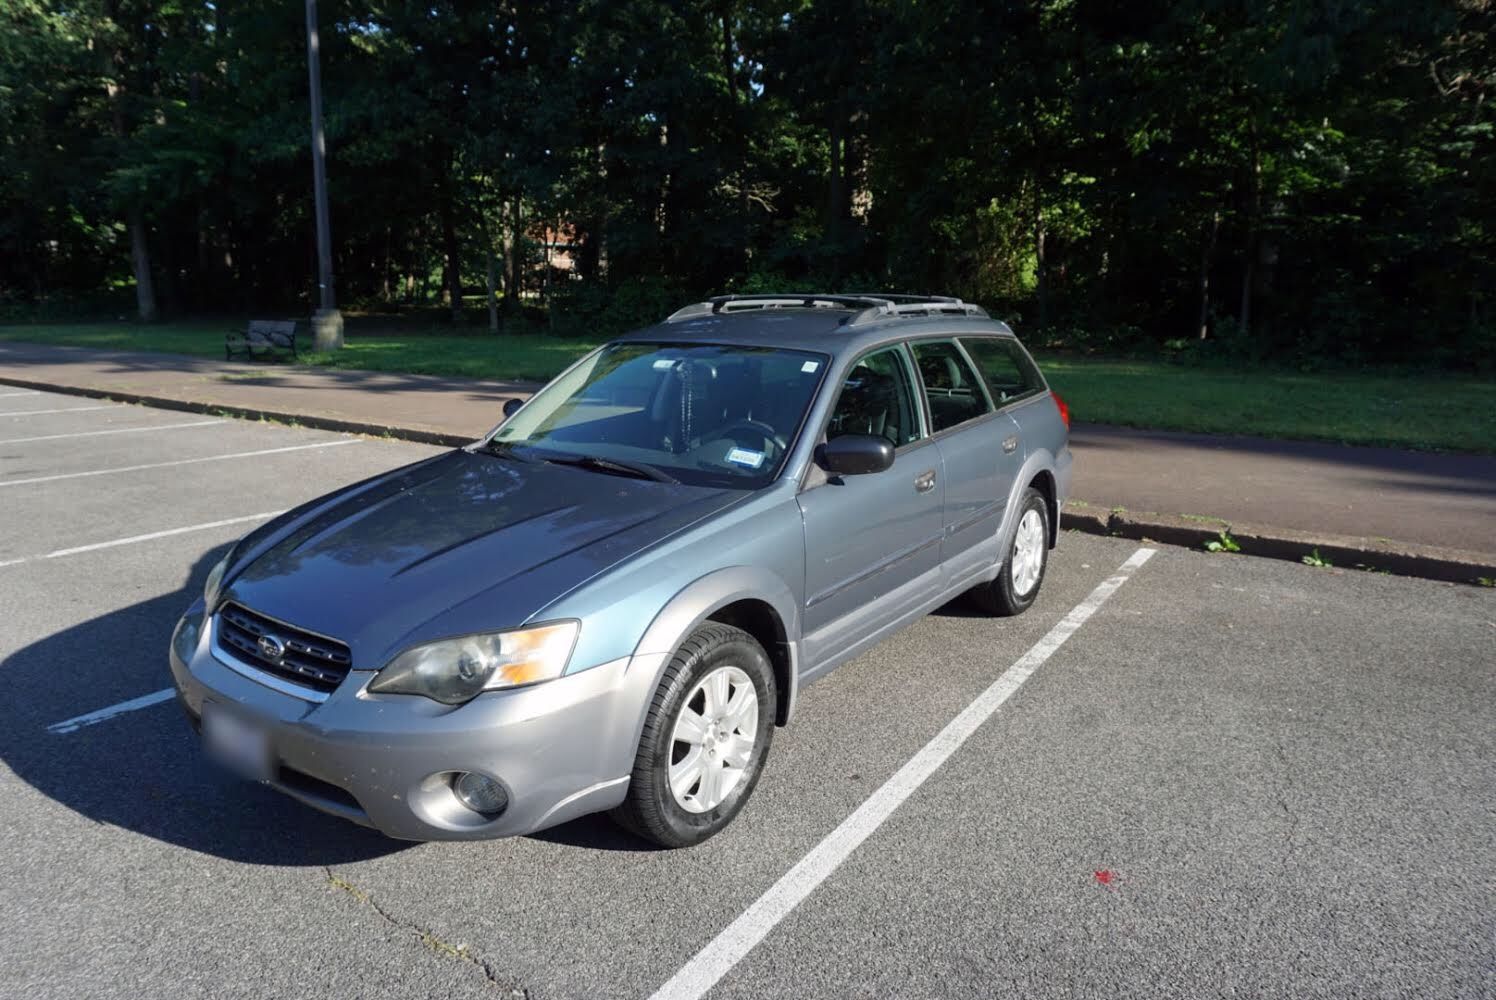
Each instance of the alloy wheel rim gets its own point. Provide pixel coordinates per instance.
(1028, 553)
(712, 742)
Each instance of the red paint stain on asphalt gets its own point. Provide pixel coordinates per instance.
(1105, 876)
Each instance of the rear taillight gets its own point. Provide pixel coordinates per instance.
(1063, 407)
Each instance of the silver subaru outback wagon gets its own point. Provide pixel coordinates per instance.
(611, 600)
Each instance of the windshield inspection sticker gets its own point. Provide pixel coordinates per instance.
(810, 366)
(745, 456)
(663, 363)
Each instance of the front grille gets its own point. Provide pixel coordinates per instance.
(308, 660)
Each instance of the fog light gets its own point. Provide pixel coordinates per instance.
(479, 793)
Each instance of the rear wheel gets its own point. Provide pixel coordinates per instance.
(704, 740)
(1022, 572)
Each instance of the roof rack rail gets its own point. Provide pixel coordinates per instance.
(869, 307)
(783, 300)
(895, 306)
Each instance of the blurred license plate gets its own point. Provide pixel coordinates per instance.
(237, 743)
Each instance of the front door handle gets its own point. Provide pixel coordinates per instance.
(925, 481)
(1010, 443)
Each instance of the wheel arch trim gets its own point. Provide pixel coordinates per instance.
(699, 600)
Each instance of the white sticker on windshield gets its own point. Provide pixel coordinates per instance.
(663, 363)
(746, 456)
(810, 366)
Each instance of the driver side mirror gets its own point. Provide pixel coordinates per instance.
(511, 406)
(856, 454)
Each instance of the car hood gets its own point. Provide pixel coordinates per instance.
(466, 542)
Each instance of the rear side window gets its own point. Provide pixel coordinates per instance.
(1006, 368)
(950, 384)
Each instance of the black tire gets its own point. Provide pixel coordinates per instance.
(999, 596)
(651, 810)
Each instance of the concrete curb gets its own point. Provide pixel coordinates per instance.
(415, 434)
(1340, 551)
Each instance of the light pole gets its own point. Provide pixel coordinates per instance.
(327, 322)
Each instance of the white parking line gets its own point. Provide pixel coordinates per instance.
(179, 461)
(740, 937)
(117, 430)
(59, 553)
(77, 722)
(28, 392)
(69, 409)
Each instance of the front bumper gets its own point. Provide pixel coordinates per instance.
(561, 749)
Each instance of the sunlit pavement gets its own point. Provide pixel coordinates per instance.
(1234, 777)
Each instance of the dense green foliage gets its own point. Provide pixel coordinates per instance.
(1303, 181)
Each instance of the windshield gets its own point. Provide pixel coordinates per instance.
(704, 414)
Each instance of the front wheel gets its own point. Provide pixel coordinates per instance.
(704, 740)
(1022, 572)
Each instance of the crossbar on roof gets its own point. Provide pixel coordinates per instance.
(869, 308)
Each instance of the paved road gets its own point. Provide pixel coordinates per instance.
(1405, 496)
(1237, 777)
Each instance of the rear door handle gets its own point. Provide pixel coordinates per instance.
(1010, 443)
(925, 481)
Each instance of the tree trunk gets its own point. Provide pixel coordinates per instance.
(1244, 316)
(140, 252)
(1041, 264)
(167, 286)
(1205, 259)
(451, 265)
(662, 212)
(508, 248)
(506, 244)
(836, 194)
(140, 262)
(735, 88)
(1254, 215)
(491, 288)
(385, 289)
(517, 258)
(545, 281)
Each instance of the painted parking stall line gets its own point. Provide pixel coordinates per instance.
(115, 430)
(135, 539)
(77, 722)
(176, 462)
(740, 937)
(42, 413)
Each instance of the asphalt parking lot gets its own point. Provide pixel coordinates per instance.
(1234, 777)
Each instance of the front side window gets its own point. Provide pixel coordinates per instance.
(1006, 368)
(950, 385)
(877, 397)
(704, 414)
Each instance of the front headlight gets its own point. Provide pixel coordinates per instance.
(184, 637)
(455, 671)
(215, 580)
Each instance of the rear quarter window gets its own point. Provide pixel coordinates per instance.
(1007, 369)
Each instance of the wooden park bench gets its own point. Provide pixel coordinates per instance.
(262, 340)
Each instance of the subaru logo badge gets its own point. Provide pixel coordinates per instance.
(271, 648)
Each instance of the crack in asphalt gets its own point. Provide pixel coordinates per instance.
(427, 937)
(1289, 838)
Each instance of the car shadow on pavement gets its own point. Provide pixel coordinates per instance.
(144, 771)
(596, 833)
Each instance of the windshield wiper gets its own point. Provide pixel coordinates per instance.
(612, 466)
(499, 449)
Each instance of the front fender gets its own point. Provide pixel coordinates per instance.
(696, 602)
